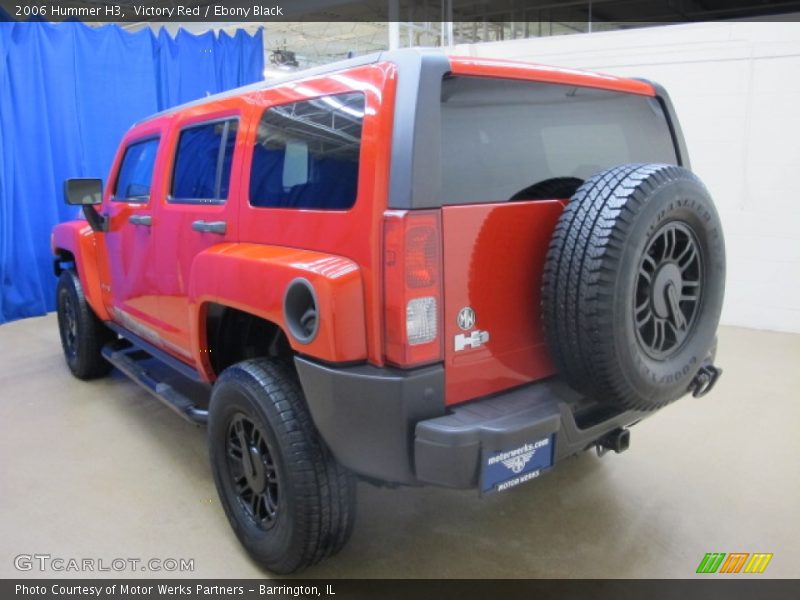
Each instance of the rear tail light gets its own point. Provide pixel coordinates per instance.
(421, 320)
(413, 287)
(422, 256)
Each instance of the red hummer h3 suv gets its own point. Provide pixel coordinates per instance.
(406, 267)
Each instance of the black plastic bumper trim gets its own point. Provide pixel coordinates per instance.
(392, 425)
(448, 450)
(366, 414)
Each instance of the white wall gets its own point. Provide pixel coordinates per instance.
(736, 88)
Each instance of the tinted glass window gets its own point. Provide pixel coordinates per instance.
(136, 172)
(203, 161)
(502, 136)
(306, 154)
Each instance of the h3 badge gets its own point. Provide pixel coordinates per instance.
(466, 320)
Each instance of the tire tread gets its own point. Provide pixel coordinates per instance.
(578, 285)
(324, 489)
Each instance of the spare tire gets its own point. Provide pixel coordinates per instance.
(633, 285)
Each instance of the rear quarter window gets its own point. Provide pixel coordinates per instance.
(502, 136)
(306, 154)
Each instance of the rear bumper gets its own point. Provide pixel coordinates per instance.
(449, 450)
(393, 426)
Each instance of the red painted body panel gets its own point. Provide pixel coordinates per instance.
(126, 252)
(158, 281)
(494, 256)
(79, 239)
(354, 233)
(509, 69)
(254, 277)
(175, 243)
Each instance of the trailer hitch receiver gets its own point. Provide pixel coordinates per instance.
(618, 440)
(705, 380)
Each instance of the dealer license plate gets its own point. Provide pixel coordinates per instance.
(505, 469)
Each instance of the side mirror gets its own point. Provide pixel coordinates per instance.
(87, 193)
(83, 192)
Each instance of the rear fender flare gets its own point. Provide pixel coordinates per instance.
(253, 278)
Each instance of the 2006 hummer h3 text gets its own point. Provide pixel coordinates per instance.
(406, 267)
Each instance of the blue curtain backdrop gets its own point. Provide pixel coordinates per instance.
(68, 93)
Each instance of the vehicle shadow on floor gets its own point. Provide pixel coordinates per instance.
(536, 530)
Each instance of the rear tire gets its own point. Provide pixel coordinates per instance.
(83, 335)
(289, 501)
(633, 285)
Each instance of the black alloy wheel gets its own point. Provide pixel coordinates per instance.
(668, 290)
(82, 333)
(253, 471)
(69, 324)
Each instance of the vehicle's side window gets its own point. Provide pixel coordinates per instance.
(306, 154)
(202, 170)
(136, 172)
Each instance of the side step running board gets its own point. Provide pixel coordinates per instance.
(127, 360)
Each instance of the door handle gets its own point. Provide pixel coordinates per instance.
(209, 226)
(145, 220)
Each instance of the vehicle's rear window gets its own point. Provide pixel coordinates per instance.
(136, 172)
(202, 171)
(307, 153)
(502, 136)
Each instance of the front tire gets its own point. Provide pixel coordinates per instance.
(289, 501)
(83, 335)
